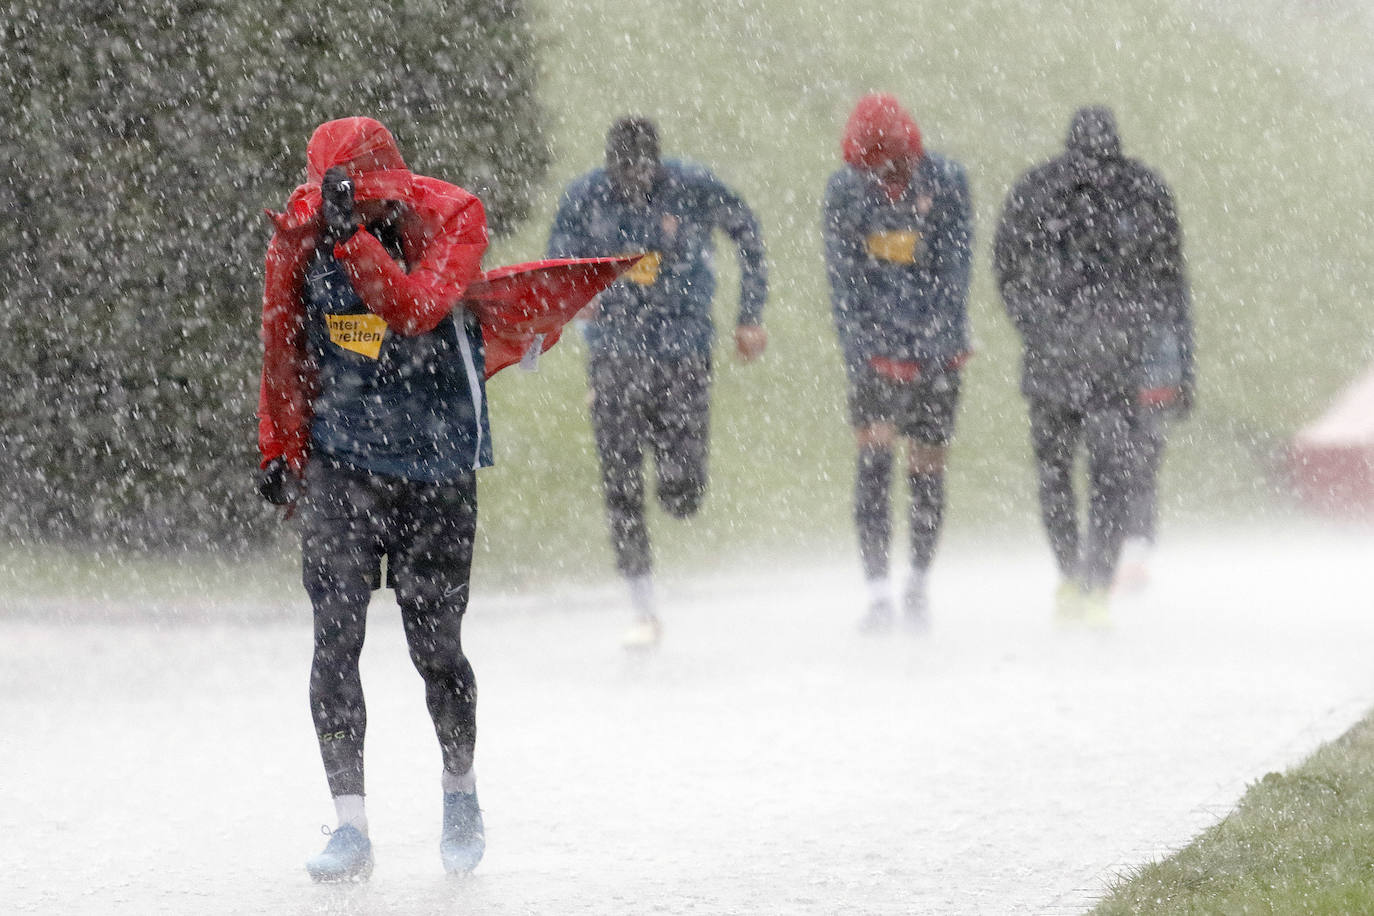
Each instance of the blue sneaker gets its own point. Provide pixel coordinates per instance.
(346, 857)
(463, 841)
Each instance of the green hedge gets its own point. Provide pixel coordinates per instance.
(141, 144)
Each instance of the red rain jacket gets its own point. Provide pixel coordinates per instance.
(443, 234)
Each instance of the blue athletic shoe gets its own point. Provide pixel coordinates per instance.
(346, 857)
(463, 841)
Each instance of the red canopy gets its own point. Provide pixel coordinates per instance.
(522, 303)
(1331, 460)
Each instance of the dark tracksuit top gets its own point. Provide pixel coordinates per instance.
(650, 341)
(899, 270)
(662, 308)
(1138, 292)
(407, 407)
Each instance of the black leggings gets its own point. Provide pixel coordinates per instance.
(872, 485)
(352, 518)
(660, 407)
(1149, 436)
(1105, 432)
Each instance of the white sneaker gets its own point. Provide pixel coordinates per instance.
(878, 619)
(916, 605)
(644, 633)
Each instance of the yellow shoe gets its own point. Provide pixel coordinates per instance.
(1096, 608)
(1077, 606)
(1068, 603)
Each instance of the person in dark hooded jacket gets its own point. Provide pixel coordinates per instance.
(650, 335)
(898, 237)
(1088, 260)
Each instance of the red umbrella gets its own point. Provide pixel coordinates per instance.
(523, 307)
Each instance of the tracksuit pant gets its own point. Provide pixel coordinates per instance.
(645, 407)
(1086, 553)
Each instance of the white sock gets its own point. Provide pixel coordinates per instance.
(458, 782)
(642, 595)
(878, 591)
(351, 811)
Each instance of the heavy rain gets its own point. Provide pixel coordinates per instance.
(928, 470)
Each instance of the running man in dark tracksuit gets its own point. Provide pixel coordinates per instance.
(650, 334)
(897, 228)
(1089, 263)
(373, 400)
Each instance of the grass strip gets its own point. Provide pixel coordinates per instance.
(1298, 842)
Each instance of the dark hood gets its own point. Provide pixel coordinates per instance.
(1093, 137)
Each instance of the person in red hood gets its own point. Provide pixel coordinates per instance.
(373, 407)
(898, 241)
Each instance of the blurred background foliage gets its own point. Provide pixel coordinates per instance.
(142, 143)
(143, 147)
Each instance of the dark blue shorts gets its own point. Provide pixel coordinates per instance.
(922, 410)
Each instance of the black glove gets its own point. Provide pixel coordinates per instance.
(276, 483)
(336, 191)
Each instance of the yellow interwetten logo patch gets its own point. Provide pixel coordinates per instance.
(898, 247)
(645, 271)
(359, 333)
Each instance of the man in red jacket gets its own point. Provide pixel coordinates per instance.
(373, 408)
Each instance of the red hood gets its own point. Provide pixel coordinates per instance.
(880, 132)
(361, 144)
(366, 148)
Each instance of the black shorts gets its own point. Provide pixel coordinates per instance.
(922, 409)
(353, 518)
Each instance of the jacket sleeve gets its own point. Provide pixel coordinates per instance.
(1173, 280)
(844, 258)
(953, 256)
(733, 216)
(1016, 248)
(286, 391)
(415, 302)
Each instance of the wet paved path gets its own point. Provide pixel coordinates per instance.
(766, 759)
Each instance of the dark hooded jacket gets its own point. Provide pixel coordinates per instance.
(897, 228)
(1088, 259)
